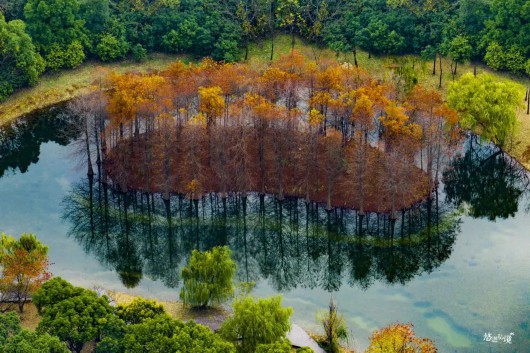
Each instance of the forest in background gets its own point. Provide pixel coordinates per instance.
(37, 36)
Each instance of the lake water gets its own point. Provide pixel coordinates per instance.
(457, 267)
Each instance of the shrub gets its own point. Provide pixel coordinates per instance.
(30, 342)
(164, 334)
(9, 326)
(139, 53)
(514, 60)
(335, 329)
(304, 350)
(55, 58)
(15, 340)
(283, 346)
(138, 310)
(495, 57)
(111, 48)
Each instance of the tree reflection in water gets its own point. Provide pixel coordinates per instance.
(488, 180)
(291, 243)
(20, 141)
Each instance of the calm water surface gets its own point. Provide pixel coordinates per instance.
(456, 267)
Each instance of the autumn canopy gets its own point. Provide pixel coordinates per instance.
(324, 131)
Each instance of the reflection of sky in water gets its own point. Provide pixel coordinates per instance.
(482, 287)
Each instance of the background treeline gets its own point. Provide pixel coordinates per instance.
(47, 35)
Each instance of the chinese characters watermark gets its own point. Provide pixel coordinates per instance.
(498, 338)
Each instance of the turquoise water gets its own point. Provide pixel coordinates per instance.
(456, 268)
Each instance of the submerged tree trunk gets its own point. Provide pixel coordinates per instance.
(90, 171)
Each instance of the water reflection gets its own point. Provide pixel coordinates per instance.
(488, 180)
(291, 243)
(20, 141)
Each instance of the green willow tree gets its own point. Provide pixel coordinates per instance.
(487, 106)
(208, 278)
(256, 322)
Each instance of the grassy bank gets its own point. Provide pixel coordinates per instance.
(54, 88)
(61, 86)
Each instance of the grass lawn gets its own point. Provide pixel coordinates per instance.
(30, 318)
(54, 88)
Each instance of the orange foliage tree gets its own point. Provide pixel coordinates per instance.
(24, 267)
(399, 338)
(439, 126)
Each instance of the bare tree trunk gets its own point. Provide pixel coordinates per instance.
(453, 69)
(440, 61)
(292, 40)
(528, 103)
(272, 45)
(434, 65)
(90, 171)
(271, 28)
(246, 49)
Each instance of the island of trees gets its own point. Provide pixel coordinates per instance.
(322, 131)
